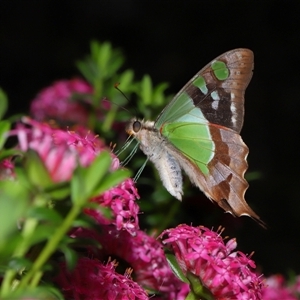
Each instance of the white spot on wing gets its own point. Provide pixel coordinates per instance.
(233, 110)
(215, 105)
(215, 95)
(232, 107)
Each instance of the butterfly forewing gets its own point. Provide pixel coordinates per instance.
(218, 90)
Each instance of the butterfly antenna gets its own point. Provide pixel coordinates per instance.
(128, 142)
(130, 156)
(120, 106)
(116, 86)
(139, 172)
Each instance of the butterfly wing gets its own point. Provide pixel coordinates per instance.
(203, 122)
(218, 90)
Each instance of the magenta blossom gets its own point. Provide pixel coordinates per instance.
(6, 169)
(59, 149)
(144, 254)
(122, 201)
(62, 150)
(203, 253)
(95, 281)
(57, 102)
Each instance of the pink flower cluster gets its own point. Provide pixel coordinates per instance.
(202, 252)
(61, 150)
(93, 280)
(57, 102)
(142, 253)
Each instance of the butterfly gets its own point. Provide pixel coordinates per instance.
(199, 132)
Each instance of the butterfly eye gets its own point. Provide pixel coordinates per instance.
(136, 126)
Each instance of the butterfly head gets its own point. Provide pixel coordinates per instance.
(135, 126)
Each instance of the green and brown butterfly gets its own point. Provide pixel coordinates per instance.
(199, 132)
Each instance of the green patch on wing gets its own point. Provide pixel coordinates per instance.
(180, 105)
(200, 83)
(192, 140)
(220, 70)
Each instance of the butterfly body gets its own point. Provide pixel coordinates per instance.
(198, 131)
(159, 151)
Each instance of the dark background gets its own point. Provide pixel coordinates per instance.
(171, 41)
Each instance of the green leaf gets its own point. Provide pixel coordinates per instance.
(8, 249)
(42, 233)
(23, 179)
(36, 170)
(41, 292)
(103, 55)
(103, 62)
(192, 296)
(78, 192)
(3, 103)
(171, 259)
(60, 193)
(146, 90)
(115, 64)
(125, 80)
(71, 256)
(83, 220)
(10, 153)
(86, 180)
(96, 171)
(158, 97)
(45, 214)
(14, 201)
(4, 128)
(198, 288)
(86, 71)
(18, 263)
(112, 180)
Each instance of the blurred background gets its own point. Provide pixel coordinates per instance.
(172, 40)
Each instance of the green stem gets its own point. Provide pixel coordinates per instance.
(27, 231)
(34, 274)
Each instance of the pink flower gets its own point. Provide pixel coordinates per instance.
(58, 149)
(144, 254)
(202, 252)
(62, 150)
(92, 280)
(122, 201)
(276, 289)
(57, 102)
(6, 169)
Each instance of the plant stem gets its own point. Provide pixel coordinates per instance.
(27, 231)
(34, 274)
